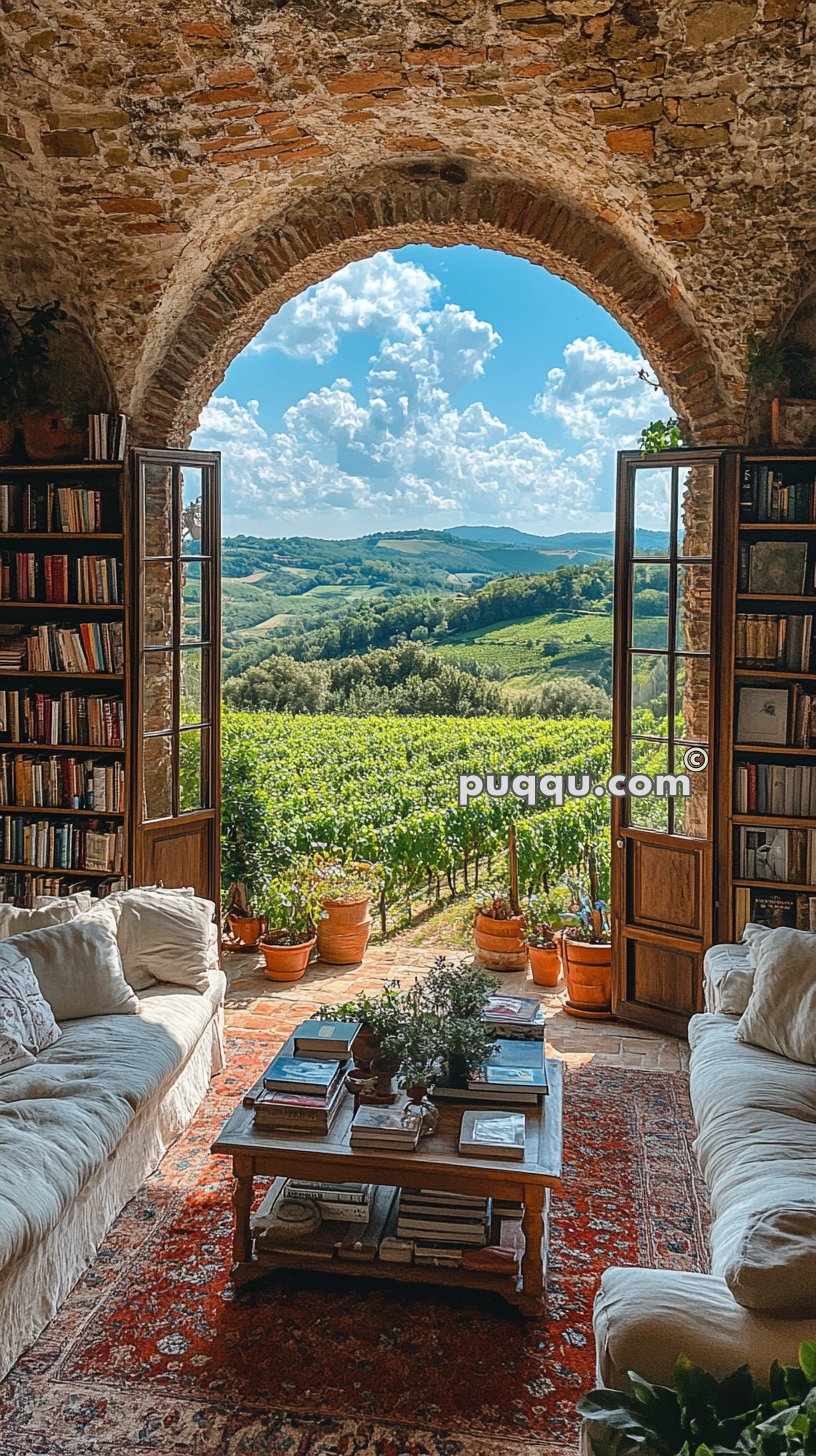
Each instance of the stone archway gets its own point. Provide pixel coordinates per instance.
(443, 203)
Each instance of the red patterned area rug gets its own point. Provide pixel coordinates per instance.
(152, 1353)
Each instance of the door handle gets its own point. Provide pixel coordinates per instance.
(620, 843)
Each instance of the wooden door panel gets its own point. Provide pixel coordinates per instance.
(666, 885)
(177, 854)
(659, 980)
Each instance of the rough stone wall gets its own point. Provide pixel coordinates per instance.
(145, 155)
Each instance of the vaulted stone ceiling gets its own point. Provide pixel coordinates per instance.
(171, 173)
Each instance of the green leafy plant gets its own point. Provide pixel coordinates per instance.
(544, 913)
(380, 1013)
(702, 1416)
(780, 367)
(23, 363)
(661, 435)
(344, 881)
(589, 889)
(414, 1043)
(291, 906)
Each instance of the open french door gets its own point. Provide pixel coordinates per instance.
(175, 690)
(673, 595)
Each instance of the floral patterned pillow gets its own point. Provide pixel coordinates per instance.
(27, 1022)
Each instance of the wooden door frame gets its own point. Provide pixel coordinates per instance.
(209, 460)
(724, 525)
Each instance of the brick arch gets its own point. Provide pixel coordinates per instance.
(442, 203)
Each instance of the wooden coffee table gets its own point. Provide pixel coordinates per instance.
(436, 1164)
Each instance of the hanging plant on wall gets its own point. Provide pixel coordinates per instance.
(25, 369)
(786, 370)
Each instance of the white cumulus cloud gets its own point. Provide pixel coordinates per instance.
(370, 297)
(599, 392)
(394, 449)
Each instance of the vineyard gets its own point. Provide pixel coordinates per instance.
(386, 790)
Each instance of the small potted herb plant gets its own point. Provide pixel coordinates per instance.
(291, 909)
(344, 891)
(457, 996)
(544, 914)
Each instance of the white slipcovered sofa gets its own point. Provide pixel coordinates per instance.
(81, 1128)
(756, 1147)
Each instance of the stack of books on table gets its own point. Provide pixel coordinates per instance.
(515, 1073)
(392, 1129)
(335, 1202)
(442, 1225)
(299, 1096)
(301, 1090)
(498, 1135)
(516, 1018)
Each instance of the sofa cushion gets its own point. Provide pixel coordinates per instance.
(781, 1014)
(164, 935)
(646, 1318)
(14, 920)
(773, 1264)
(79, 967)
(62, 1117)
(728, 979)
(27, 1024)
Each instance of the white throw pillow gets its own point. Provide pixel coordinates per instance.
(753, 936)
(774, 1266)
(83, 899)
(165, 935)
(78, 967)
(27, 1024)
(781, 1014)
(111, 907)
(15, 921)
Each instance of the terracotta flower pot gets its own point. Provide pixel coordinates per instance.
(286, 962)
(545, 964)
(53, 437)
(246, 928)
(500, 943)
(588, 973)
(7, 433)
(342, 942)
(346, 912)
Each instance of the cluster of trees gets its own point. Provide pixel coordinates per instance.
(406, 682)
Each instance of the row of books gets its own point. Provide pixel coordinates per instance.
(89, 647)
(360, 1221)
(62, 782)
(26, 576)
(775, 788)
(793, 908)
(27, 716)
(766, 639)
(786, 855)
(43, 506)
(106, 436)
(22, 888)
(775, 568)
(777, 717)
(765, 495)
(44, 844)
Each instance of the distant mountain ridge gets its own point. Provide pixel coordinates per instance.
(601, 541)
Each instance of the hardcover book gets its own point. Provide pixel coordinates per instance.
(492, 1134)
(299, 1074)
(777, 568)
(325, 1039)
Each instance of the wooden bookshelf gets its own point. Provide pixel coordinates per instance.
(110, 480)
(769, 775)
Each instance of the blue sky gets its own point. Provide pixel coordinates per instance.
(428, 387)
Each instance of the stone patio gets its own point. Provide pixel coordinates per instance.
(255, 1004)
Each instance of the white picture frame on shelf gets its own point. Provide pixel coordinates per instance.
(762, 716)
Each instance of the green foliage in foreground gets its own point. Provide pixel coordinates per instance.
(385, 789)
(702, 1416)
